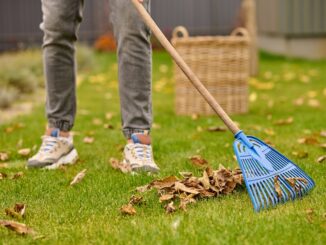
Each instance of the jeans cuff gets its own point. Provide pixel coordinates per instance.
(127, 132)
(62, 125)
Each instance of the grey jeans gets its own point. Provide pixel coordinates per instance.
(61, 20)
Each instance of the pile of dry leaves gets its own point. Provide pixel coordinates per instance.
(188, 189)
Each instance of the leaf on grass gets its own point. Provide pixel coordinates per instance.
(97, 121)
(108, 126)
(314, 103)
(216, 129)
(3, 165)
(3, 176)
(20, 208)
(253, 97)
(310, 213)
(17, 175)
(18, 211)
(309, 140)
(181, 187)
(184, 202)
(164, 183)
(143, 188)
(4, 156)
(88, 140)
(19, 228)
(166, 197)
(135, 200)
(321, 159)
(286, 121)
(108, 115)
(128, 209)
(269, 132)
(194, 116)
(169, 208)
(323, 133)
(277, 186)
(186, 174)
(293, 181)
(123, 167)
(198, 161)
(24, 152)
(321, 145)
(78, 177)
(300, 154)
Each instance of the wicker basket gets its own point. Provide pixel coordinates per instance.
(221, 63)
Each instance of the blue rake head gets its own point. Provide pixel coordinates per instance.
(270, 177)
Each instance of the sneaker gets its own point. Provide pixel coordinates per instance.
(140, 156)
(54, 152)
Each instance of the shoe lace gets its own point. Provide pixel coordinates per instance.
(142, 152)
(49, 144)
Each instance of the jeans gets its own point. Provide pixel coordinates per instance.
(61, 20)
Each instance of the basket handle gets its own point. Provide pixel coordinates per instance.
(180, 32)
(240, 31)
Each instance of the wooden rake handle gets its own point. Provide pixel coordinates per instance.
(185, 68)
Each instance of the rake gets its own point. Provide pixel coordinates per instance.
(270, 177)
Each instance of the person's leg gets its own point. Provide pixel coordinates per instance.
(61, 19)
(135, 83)
(135, 66)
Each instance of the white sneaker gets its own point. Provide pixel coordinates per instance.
(140, 156)
(54, 152)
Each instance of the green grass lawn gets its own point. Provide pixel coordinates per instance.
(88, 213)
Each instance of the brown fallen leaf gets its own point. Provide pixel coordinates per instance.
(277, 186)
(286, 121)
(143, 188)
(128, 209)
(19, 228)
(3, 176)
(186, 174)
(17, 175)
(309, 140)
(88, 140)
(298, 102)
(164, 183)
(217, 129)
(3, 165)
(269, 132)
(198, 161)
(321, 159)
(300, 154)
(181, 187)
(108, 126)
(17, 212)
(123, 167)
(4, 156)
(166, 197)
(20, 208)
(135, 200)
(310, 213)
(293, 181)
(108, 115)
(194, 116)
(24, 152)
(314, 103)
(323, 133)
(169, 208)
(78, 177)
(97, 121)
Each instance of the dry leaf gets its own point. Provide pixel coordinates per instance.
(321, 145)
(18, 211)
(3, 176)
(286, 121)
(108, 115)
(123, 167)
(186, 174)
(198, 161)
(4, 156)
(323, 133)
(3, 165)
(135, 200)
(217, 129)
(108, 126)
(78, 177)
(181, 187)
(310, 213)
(24, 152)
(19, 228)
(128, 209)
(164, 183)
(300, 154)
(143, 188)
(253, 97)
(321, 159)
(308, 140)
(194, 116)
(169, 208)
(314, 103)
(20, 208)
(17, 175)
(277, 186)
(293, 181)
(298, 102)
(269, 131)
(88, 140)
(97, 121)
(166, 197)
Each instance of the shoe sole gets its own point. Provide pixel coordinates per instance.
(69, 159)
(145, 168)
